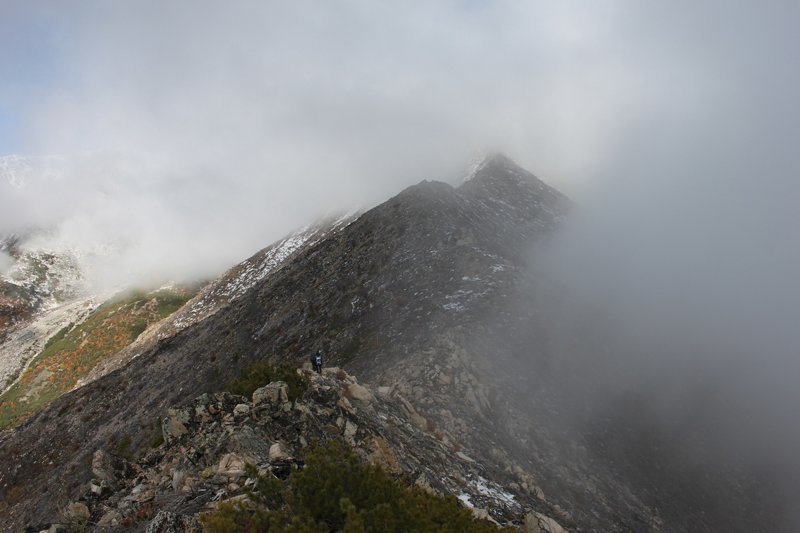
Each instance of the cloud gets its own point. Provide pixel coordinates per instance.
(684, 245)
(6, 261)
(220, 127)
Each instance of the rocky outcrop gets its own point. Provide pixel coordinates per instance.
(210, 442)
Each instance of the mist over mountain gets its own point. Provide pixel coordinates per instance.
(228, 127)
(445, 302)
(612, 350)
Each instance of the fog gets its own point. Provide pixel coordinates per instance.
(204, 130)
(5, 262)
(690, 284)
(683, 252)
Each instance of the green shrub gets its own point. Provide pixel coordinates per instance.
(136, 328)
(336, 491)
(262, 373)
(157, 439)
(170, 301)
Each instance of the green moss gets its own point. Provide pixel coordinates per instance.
(336, 491)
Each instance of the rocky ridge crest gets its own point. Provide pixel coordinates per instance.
(209, 441)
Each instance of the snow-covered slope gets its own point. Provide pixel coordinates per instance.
(238, 280)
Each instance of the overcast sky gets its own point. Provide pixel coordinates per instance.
(222, 125)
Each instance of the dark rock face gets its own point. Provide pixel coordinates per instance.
(418, 297)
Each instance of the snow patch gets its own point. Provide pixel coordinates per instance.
(496, 493)
(464, 497)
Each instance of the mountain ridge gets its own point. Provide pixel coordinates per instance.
(422, 294)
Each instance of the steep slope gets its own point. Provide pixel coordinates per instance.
(421, 294)
(219, 293)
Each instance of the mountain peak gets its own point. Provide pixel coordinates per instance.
(497, 174)
(497, 178)
(494, 164)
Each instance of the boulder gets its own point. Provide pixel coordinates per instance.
(251, 448)
(107, 468)
(169, 522)
(110, 519)
(412, 414)
(241, 409)
(350, 430)
(99, 488)
(178, 479)
(78, 511)
(277, 454)
(359, 393)
(336, 372)
(482, 514)
(539, 523)
(142, 493)
(231, 465)
(276, 393)
(174, 424)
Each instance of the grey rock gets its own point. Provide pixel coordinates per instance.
(359, 393)
(278, 454)
(169, 522)
(174, 424)
(78, 511)
(276, 393)
(110, 519)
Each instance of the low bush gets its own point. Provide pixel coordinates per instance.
(336, 491)
(262, 373)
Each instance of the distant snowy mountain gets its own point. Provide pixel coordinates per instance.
(18, 171)
(14, 169)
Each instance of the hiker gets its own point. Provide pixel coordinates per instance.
(316, 362)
